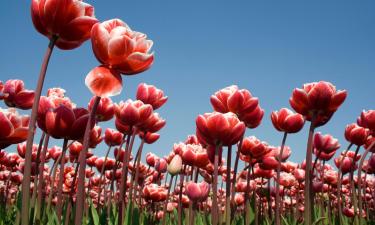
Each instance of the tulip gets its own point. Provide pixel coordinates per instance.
(175, 166)
(239, 102)
(219, 129)
(70, 21)
(149, 94)
(197, 192)
(132, 113)
(104, 82)
(105, 110)
(14, 127)
(356, 134)
(367, 120)
(254, 147)
(192, 154)
(15, 95)
(112, 137)
(115, 45)
(155, 193)
(287, 121)
(317, 102)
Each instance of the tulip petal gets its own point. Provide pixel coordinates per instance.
(104, 82)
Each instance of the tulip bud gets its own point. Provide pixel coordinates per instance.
(175, 165)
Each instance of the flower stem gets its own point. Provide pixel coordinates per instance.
(166, 201)
(82, 165)
(61, 181)
(308, 187)
(228, 185)
(277, 203)
(360, 180)
(215, 209)
(30, 135)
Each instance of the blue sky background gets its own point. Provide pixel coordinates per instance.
(267, 47)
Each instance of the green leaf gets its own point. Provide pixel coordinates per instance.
(94, 214)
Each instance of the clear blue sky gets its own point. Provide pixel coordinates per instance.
(268, 47)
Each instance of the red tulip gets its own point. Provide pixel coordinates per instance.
(154, 193)
(148, 137)
(104, 82)
(14, 127)
(197, 192)
(91, 161)
(322, 155)
(317, 99)
(331, 176)
(118, 47)
(192, 155)
(21, 149)
(132, 113)
(153, 124)
(149, 94)
(15, 95)
(239, 102)
(192, 139)
(348, 212)
(95, 136)
(59, 122)
(70, 21)
(325, 143)
(367, 120)
(287, 121)
(109, 164)
(369, 143)
(356, 134)
(254, 147)
(75, 148)
(105, 110)
(151, 159)
(345, 163)
(112, 137)
(161, 165)
(219, 129)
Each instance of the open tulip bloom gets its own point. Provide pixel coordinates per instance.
(78, 182)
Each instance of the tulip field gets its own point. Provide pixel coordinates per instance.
(217, 175)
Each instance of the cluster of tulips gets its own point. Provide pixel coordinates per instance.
(74, 184)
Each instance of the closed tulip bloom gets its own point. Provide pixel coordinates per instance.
(345, 163)
(318, 99)
(348, 212)
(112, 137)
(356, 134)
(218, 128)
(132, 113)
(192, 139)
(369, 143)
(95, 136)
(197, 192)
(286, 121)
(367, 120)
(151, 159)
(105, 109)
(175, 166)
(149, 94)
(75, 148)
(91, 161)
(239, 102)
(59, 122)
(15, 95)
(70, 21)
(14, 127)
(21, 149)
(104, 82)
(325, 143)
(161, 165)
(253, 147)
(118, 47)
(331, 176)
(148, 137)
